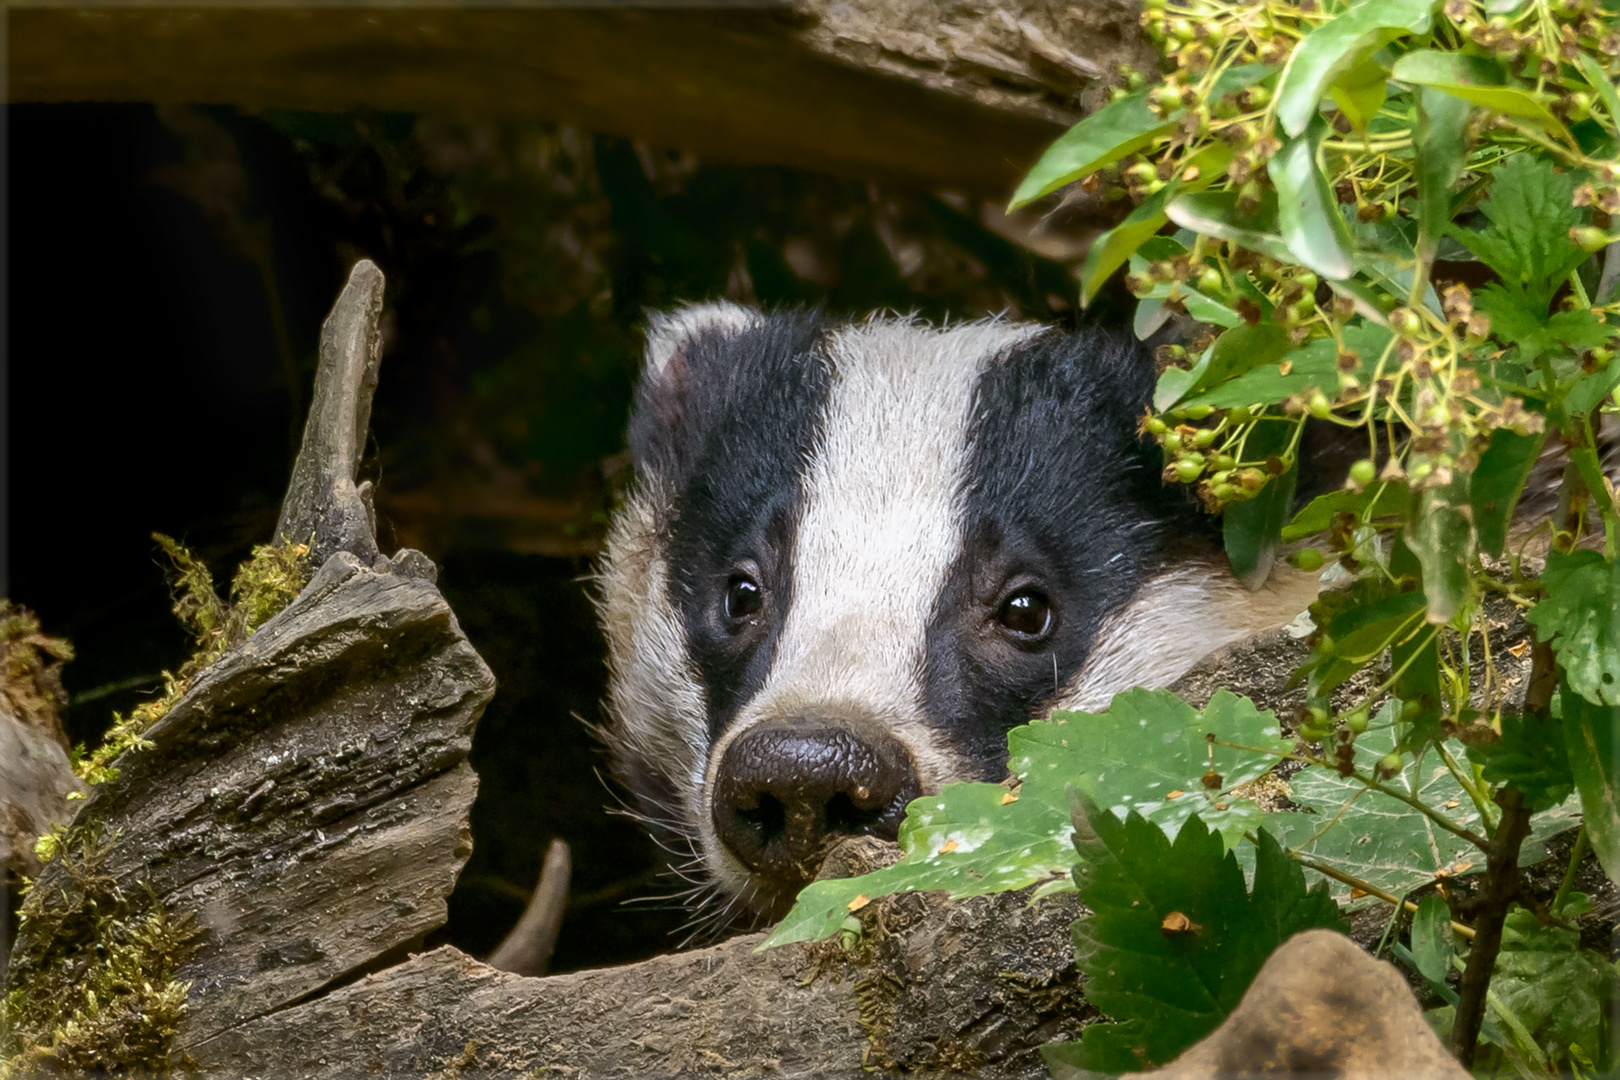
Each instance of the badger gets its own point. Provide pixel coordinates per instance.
(855, 554)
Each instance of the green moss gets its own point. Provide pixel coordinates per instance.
(92, 986)
(31, 669)
(267, 582)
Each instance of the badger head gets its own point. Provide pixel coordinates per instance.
(855, 555)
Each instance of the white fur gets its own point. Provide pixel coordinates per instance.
(1176, 620)
(667, 331)
(879, 531)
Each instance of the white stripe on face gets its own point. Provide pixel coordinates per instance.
(880, 527)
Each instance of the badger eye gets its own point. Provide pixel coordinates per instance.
(1027, 615)
(743, 597)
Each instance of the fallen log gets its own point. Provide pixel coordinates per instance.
(248, 895)
(962, 96)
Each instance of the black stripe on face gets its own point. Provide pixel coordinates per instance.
(747, 412)
(1062, 501)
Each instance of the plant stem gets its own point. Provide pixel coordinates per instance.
(1369, 888)
(1575, 856)
(1490, 907)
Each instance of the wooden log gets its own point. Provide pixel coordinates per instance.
(961, 96)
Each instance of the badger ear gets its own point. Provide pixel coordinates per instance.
(681, 359)
(669, 332)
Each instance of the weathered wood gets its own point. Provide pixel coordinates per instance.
(324, 507)
(973, 985)
(955, 95)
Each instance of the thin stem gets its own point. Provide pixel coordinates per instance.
(1575, 856)
(1370, 889)
(1466, 782)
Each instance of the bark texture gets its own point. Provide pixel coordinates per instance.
(961, 95)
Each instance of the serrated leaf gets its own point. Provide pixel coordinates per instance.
(968, 840)
(1431, 939)
(1381, 840)
(1148, 745)
(1580, 615)
(1338, 45)
(1174, 938)
(1307, 211)
(1251, 531)
(1476, 79)
(1378, 500)
(1499, 480)
(1359, 633)
(1532, 756)
(1592, 740)
(1560, 993)
(1440, 147)
(1526, 240)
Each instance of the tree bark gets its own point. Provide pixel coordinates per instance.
(961, 95)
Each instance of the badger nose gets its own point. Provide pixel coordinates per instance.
(788, 788)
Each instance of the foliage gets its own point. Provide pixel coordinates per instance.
(1397, 217)
(1173, 937)
(1149, 753)
(97, 992)
(267, 582)
(31, 669)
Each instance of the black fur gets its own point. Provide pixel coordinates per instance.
(728, 426)
(1062, 496)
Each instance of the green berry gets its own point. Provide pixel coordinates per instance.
(1363, 473)
(1319, 406)
(1308, 559)
(1171, 442)
(1390, 765)
(1154, 426)
(1203, 437)
(1357, 721)
(1211, 281)
(1197, 412)
(1590, 238)
(1189, 469)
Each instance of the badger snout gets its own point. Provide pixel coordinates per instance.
(788, 789)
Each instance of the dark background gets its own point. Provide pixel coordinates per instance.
(169, 269)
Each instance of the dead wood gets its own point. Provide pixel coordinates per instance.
(306, 804)
(962, 95)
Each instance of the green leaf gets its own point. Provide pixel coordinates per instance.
(1148, 745)
(1110, 250)
(1216, 213)
(1475, 79)
(1381, 840)
(1358, 634)
(1600, 81)
(1519, 320)
(1592, 390)
(1174, 938)
(1340, 45)
(1116, 130)
(1443, 539)
(1592, 739)
(1558, 991)
(1359, 92)
(1240, 349)
(1580, 615)
(969, 841)
(1499, 480)
(1526, 240)
(1314, 365)
(1431, 939)
(1378, 500)
(1439, 150)
(1251, 531)
(1532, 756)
(1307, 211)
